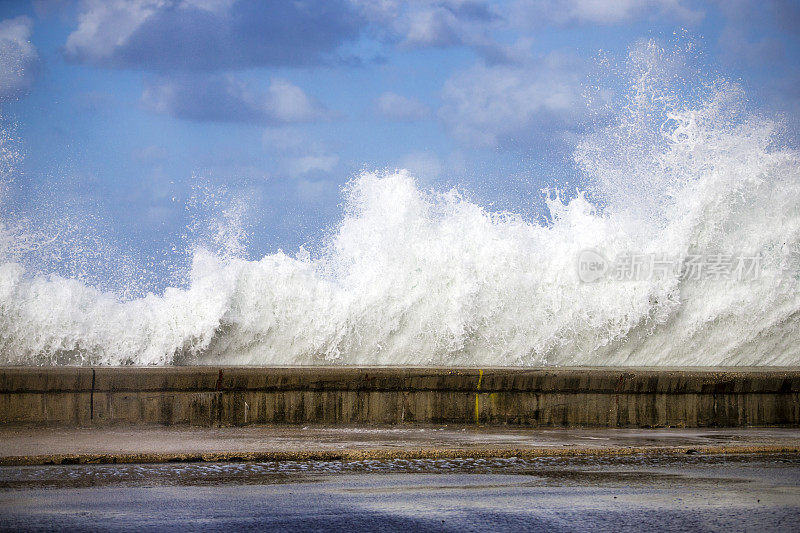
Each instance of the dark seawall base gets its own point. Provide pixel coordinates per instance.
(541, 397)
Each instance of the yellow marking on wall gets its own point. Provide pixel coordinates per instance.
(477, 396)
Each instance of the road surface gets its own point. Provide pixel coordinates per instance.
(664, 492)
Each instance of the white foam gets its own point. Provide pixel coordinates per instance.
(423, 277)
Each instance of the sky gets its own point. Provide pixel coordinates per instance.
(137, 118)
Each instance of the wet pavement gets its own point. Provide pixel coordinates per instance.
(32, 445)
(667, 492)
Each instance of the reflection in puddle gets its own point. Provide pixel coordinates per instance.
(543, 471)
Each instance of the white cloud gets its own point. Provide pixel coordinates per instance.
(472, 23)
(438, 24)
(106, 25)
(515, 104)
(225, 99)
(18, 56)
(600, 11)
(288, 103)
(210, 35)
(424, 23)
(433, 26)
(396, 107)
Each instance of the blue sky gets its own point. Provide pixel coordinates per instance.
(122, 108)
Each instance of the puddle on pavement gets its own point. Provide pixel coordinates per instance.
(627, 471)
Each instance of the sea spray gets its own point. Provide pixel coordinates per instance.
(423, 277)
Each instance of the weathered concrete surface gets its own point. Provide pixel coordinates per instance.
(37, 445)
(544, 397)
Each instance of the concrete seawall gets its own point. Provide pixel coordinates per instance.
(543, 397)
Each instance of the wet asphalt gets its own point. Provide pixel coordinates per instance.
(636, 493)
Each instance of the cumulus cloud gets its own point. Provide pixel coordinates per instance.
(438, 24)
(219, 98)
(516, 105)
(207, 35)
(600, 11)
(396, 107)
(476, 24)
(445, 23)
(18, 57)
